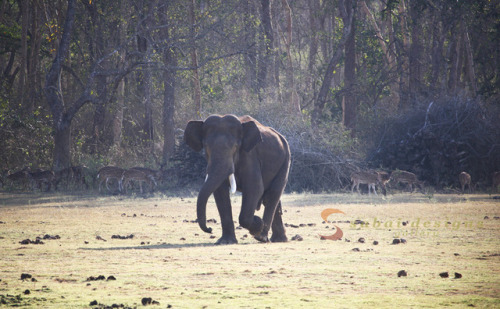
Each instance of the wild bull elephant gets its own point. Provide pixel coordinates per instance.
(246, 156)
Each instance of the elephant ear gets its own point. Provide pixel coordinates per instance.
(251, 135)
(193, 135)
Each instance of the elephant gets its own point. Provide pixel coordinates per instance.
(243, 155)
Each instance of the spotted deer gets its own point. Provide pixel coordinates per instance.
(21, 177)
(107, 173)
(39, 178)
(155, 175)
(65, 176)
(137, 176)
(465, 180)
(406, 177)
(365, 177)
(79, 173)
(495, 181)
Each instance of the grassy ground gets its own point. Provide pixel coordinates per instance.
(170, 260)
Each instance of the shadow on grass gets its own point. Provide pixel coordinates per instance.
(395, 198)
(160, 246)
(41, 198)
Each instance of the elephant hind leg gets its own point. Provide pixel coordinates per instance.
(272, 218)
(279, 234)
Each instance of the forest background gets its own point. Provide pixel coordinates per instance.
(388, 84)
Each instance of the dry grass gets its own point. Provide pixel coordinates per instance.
(172, 261)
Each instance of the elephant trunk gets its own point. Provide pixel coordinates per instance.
(212, 182)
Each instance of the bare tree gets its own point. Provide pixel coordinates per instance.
(62, 114)
(170, 62)
(349, 102)
(195, 77)
(319, 104)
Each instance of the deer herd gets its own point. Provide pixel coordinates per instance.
(122, 179)
(374, 178)
(78, 177)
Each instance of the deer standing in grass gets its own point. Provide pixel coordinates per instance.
(79, 173)
(406, 177)
(135, 175)
(21, 177)
(154, 175)
(65, 175)
(39, 178)
(495, 181)
(370, 178)
(465, 180)
(110, 172)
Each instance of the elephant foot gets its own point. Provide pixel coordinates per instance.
(255, 226)
(279, 238)
(262, 238)
(226, 240)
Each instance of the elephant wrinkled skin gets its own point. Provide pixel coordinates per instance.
(259, 158)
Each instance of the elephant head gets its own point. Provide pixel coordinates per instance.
(223, 138)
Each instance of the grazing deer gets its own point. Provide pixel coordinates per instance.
(79, 173)
(135, 175)
(406, 177)
(65, 175)
(155, 175)
(365, 177)
(465, 180)
(4, 175)
(496, 181)
(21, 177)
(39, 178)
(110, 172)
(383, 179)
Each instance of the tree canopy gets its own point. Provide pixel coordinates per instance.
(105, 82)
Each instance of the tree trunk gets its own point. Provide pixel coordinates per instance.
(148, 103)
(469, 67)
(349, 99)
(267, 41)
(169, 94)
(415, 51)
(118, 118)
(403, 56)
(320, 102)
(454, 56)
(34, 78)
(388, 53)
(62, 146)
(314, 11)
(195, 77)
(249, 39)
(53, 93)
(62, 115)
(24, 56)
(291, 96)
(97, 45)
(120, 100)
(436, 54)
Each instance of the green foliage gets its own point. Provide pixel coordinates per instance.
(111, 37)
(25, 141)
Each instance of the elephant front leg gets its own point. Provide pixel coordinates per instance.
(247, 219)
(223, 201)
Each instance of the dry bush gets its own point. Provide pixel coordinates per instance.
(440, 139)
(322, 158)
